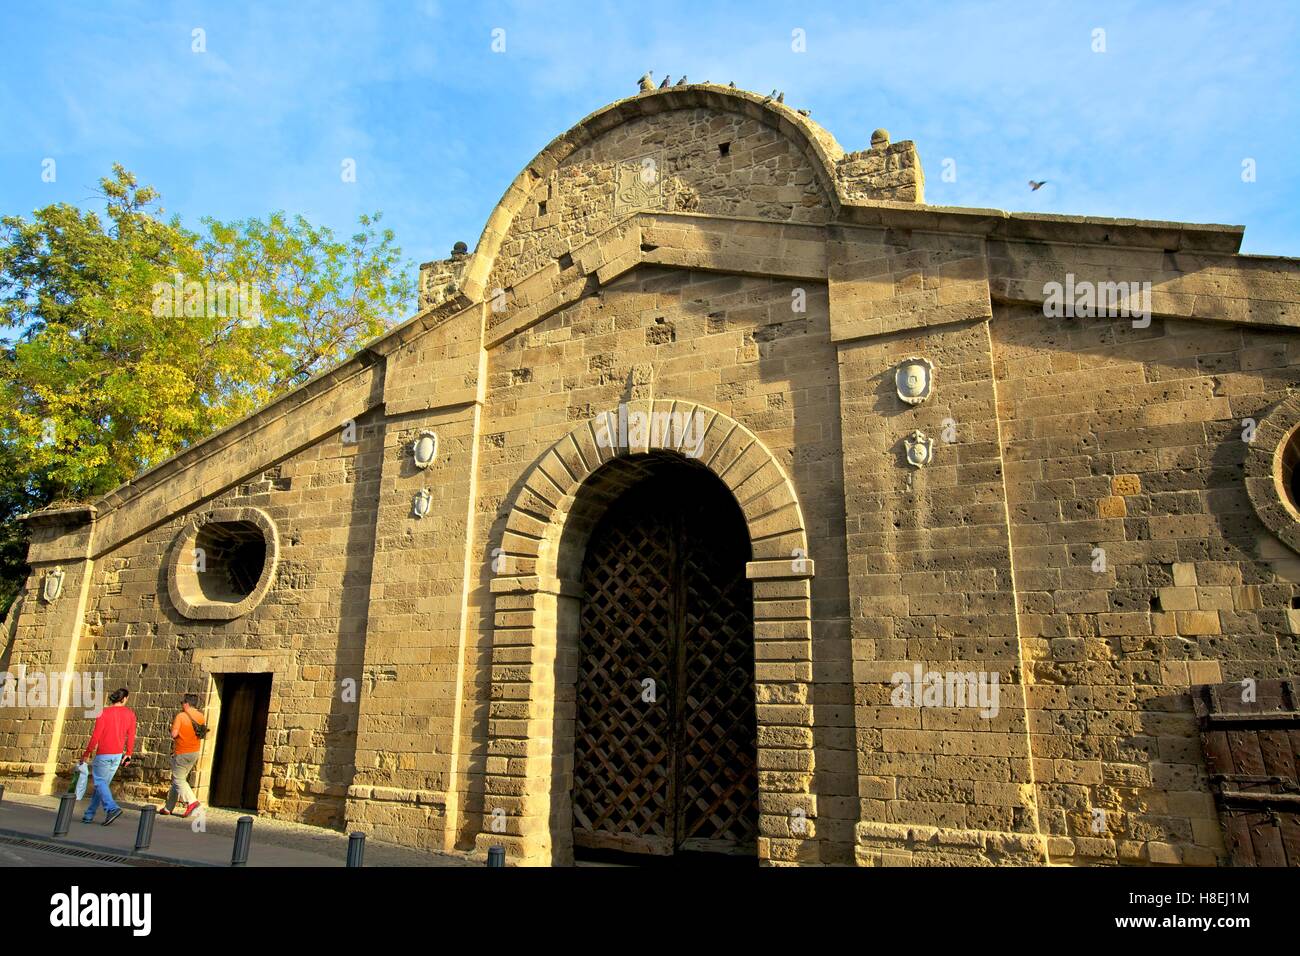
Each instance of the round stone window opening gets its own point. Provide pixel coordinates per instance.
(1289, 476)
(235, 553)
(1272, 470)
(223, 564)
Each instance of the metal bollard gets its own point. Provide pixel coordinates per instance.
(356, 849)
(243, 840)
(496, 856)
(144, 832)
(63, 819)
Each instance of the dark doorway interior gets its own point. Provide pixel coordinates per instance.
(665, 739)
(241, 737)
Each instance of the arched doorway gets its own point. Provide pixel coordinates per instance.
(665, 748)
(536, 598)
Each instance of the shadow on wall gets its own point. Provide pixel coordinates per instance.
(341, 722)
(9, 628)
(1164, 410)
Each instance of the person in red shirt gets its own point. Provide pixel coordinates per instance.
(112, 742)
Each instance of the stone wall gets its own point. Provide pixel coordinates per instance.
(441, 279)
(409, 727)
(733, 344)
(933, 587)
(672, 161)
(309, 632)
(885, 171)
(46, 637)
(1140, 564)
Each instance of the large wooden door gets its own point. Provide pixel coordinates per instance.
(665, 736)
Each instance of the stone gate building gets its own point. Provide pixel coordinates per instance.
(727, 498)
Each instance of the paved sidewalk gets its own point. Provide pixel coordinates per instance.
(275, 842)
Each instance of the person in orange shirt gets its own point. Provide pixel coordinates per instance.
(186, 742)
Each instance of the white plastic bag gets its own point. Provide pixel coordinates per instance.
(83, 779)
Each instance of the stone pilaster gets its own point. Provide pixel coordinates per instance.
(46, 642)
(523, 810)
(783, 679)
(942, 779)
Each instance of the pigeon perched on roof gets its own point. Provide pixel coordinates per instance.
(682, 81)
(770, 96)
(732, 84)
(1035, 186)
(805, 112)
(646, 82)
(664, 84)
(780, 97)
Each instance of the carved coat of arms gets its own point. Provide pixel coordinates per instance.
(920, 449)
(52, 586)
(422, 502)
(639, 185)
(914, 380)
(425, 449)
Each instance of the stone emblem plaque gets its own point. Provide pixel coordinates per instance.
(920, 449)
(52, 586)
(421, 503)
(914, 380)
(425, 449)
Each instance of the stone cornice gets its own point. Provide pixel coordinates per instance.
(65, 516)
(1070, 230)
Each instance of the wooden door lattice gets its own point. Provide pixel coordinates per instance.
(667, 766)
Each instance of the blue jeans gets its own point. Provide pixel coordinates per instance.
(102, 768)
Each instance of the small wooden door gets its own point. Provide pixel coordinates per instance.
(1252, 753)
(665, 736)
(241, 737)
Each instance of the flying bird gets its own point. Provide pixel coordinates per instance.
(646, 82)
(1035, 186)
(664, 84)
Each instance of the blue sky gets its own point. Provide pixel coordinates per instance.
(1157, 126)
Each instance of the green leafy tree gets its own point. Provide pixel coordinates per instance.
(20, 493)
(321, 297)
(125, 337)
